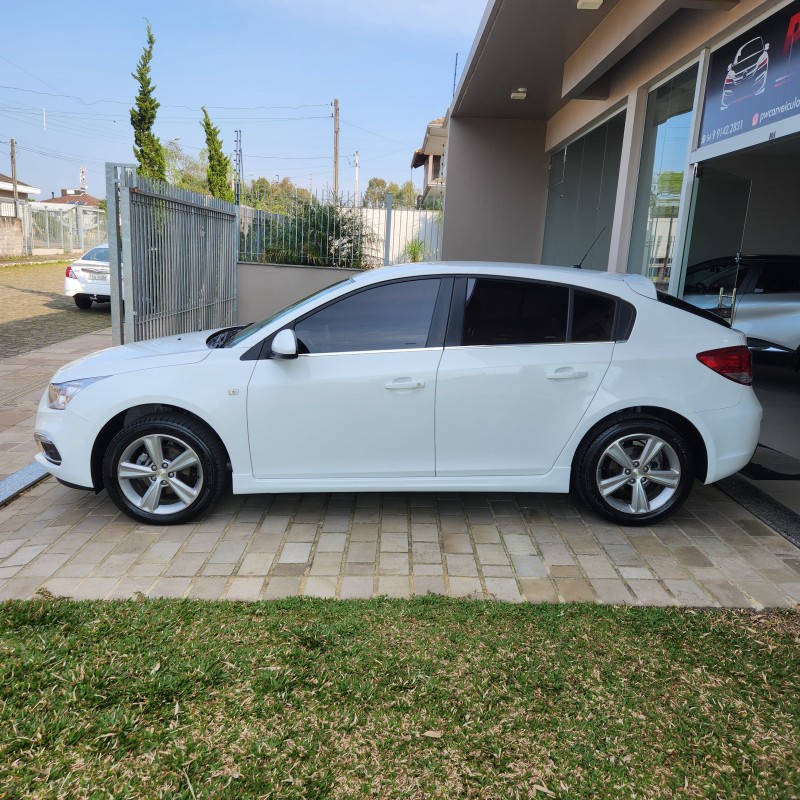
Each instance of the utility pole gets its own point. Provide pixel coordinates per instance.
(14, 176)
(238, 167)
(336, 147)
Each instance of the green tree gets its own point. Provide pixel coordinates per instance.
(147, 147)
(376, 192)
(377, 189)
(406, 195)
(278, 195)
(219, 165)
(184, 170)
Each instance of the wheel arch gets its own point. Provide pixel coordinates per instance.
(129, 416)
(693, 437)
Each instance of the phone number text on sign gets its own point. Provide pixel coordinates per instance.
(723, 131)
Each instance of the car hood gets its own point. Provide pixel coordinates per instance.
(170, 351)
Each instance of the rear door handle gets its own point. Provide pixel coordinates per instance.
(405, 383)
(566, 373)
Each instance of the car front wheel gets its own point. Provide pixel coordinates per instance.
(165, 469)
(635, 470)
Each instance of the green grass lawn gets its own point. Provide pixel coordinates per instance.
(430, 698)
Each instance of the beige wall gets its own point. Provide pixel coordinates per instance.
(676, 44)
(263, 289)
(10, 236)
(496, 190)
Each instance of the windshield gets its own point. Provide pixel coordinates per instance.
(254, 327)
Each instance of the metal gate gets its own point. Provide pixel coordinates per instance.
(172, 255)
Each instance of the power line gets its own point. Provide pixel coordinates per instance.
(163, 105)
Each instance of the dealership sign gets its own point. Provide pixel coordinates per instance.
(754, 80)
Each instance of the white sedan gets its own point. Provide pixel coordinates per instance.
(427, 377)
(88, 280)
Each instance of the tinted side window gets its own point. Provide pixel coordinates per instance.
(592, 317)
(779, 277)
(514, 312)
(395, 316)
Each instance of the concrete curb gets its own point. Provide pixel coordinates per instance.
(15, 484)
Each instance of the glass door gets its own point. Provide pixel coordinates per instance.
(711, 267)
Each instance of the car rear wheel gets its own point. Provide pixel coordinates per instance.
(83, 301)
(634, 470)
(165, 469)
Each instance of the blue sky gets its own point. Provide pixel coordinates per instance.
(270, 68)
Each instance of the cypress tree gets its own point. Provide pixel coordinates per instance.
(219, 164)
(147, 147)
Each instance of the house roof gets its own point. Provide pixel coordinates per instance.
(74, 200)
(433, 143)
(7, 184)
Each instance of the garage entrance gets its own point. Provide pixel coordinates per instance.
(742, 259)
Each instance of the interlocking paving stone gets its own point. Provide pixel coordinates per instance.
(466, 587)
(536, 590)
(651, 593)
(504, 546)
(612, 591)
(575, 590)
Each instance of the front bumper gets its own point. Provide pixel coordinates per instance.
(72, 438)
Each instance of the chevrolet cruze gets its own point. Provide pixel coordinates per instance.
(427, 377)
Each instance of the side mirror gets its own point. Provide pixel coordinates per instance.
(284, 345)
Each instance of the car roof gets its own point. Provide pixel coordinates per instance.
(590, 279)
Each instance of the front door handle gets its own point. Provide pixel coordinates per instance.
(405, 383)
(566, 373)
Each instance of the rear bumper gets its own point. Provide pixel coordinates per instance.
(731, 436)
(72, 287)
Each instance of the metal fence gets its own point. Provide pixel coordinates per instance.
(325, 230)
(173, 258)
(68, 228)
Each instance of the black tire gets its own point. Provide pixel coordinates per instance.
(156, 493)
(612, 478)
(83, 301)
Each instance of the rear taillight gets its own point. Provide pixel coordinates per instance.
(733, 363)
(69, 273)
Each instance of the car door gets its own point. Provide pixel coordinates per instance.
(517, 376)
(358, 401)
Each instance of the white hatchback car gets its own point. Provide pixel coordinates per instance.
(88, 280)
(426, 377)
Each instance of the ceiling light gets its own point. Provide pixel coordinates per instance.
(519, 94)
(589, 5)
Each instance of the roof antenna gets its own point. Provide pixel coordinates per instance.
(580, 264)
(455, 73)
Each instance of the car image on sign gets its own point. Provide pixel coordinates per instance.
(466, 376)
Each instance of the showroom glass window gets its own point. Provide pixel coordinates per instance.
(581, 196)
(661, 173)
(394, 316)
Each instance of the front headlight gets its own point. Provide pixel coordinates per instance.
(59, 394)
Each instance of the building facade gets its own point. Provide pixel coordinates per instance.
(627, 135)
